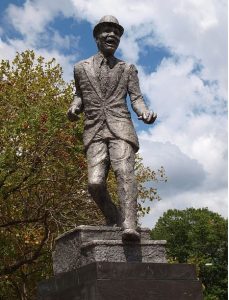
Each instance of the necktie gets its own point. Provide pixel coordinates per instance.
(104, 76)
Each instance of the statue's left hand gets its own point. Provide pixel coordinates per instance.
(73, 113)
(148, 117)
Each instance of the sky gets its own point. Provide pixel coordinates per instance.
(180, 50)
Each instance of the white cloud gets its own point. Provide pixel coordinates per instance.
(190, 140)
(195, 159)
(33, 17)
(63, 42)
(192, 115)
(190, 27)
(32, 21)
(183, 173)
(214, 202)
(186, 27)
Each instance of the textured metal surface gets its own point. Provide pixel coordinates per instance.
(102, 84)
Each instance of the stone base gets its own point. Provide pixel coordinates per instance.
(88, 244)
(124, 281)
(117, 251)
(92, 263)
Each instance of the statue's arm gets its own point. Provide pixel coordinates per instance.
(137, 101)
(76, 106)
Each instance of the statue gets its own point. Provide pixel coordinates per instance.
(102, 83)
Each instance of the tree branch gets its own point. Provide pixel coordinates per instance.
(11, 269)
(17, 222)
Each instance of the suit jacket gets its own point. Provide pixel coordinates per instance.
(112, 106)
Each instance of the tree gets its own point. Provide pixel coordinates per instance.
(197, 236)
(43, 173)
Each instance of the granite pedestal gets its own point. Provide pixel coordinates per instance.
(88, 244)
(92, 263)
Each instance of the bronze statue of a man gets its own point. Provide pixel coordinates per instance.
(102, 84)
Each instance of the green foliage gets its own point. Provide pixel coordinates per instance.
(42, 171)
(145, 179)
(146, 190)
(197, 236)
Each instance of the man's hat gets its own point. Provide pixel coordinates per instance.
(107, 20)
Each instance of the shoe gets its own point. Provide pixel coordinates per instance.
(130, 235)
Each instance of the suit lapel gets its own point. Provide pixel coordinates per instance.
(93, 75)
(115, 78)
(93, 78)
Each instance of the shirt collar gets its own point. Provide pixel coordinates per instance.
(99, 58)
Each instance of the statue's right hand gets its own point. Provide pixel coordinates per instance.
(73, 113)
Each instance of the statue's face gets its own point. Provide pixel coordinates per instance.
(108, 39)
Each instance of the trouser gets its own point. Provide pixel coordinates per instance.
(118, 153)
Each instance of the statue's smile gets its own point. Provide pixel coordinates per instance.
(111, 42)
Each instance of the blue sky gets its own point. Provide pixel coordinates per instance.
(180, 50)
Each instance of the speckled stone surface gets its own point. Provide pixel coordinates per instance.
(87, 244)
(116, 251)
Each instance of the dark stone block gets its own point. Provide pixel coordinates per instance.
(124, 281)
(144, 289)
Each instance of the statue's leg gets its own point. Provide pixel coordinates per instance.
(98, 167)
(122, 158)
